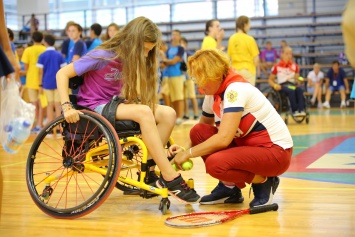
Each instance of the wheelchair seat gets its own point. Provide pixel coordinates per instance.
(123, 128)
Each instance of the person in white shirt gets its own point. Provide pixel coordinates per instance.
(314, 84)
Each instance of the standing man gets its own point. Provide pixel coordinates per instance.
(176, 77)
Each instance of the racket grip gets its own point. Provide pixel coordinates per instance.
(266, 208)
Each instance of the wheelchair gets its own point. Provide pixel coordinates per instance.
(282, 105)
(70, 177)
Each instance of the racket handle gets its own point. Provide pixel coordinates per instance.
(266, 208)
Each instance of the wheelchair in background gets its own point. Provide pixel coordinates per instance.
(282, 104)
(72, 176)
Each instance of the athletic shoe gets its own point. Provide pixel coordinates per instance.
(196, 117)
(342, 105)
(319, 106)
(326, 105)
(179, 189)
(296, 114)
(185, 117)
(178, 121)
(223, 194)
(264, 192)
(302, 113)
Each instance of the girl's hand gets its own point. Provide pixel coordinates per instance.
(71, 115)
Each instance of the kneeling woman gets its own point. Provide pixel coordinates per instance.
(240, 136)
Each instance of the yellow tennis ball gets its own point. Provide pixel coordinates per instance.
(187, 165)
(301, 79)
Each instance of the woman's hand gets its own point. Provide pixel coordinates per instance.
(180, 158)
(174, 149)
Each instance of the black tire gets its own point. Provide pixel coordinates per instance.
(275, 99)
(75, 187)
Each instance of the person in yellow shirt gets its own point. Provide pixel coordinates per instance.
(29, 58)
(243, 50)
(214, 36)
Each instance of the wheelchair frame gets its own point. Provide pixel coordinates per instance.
(88, 157)
(282, 105)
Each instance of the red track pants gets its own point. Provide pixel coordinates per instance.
(240, 164)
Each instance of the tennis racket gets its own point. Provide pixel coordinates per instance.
(199, 219)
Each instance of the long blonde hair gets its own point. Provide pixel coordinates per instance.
(128, 44)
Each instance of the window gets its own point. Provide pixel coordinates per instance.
(156, 13)
(225, 9)
(250, 8)
(192, 11)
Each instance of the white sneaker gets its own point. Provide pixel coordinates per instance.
(302, 113)
(319, 105)
(178, 121)
(296, 114)
(326, 105)
(342, 105)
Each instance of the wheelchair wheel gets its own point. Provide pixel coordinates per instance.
(71, 177)
(131, 165)
(275, 99)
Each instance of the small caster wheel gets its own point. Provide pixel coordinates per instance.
(47, 192)
(164, 205)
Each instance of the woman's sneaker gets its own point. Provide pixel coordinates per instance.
(179, 189)
(264, 192)
(223, 194)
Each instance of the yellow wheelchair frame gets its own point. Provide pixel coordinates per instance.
(71, 177)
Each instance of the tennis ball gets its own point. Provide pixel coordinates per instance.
(187, 165)
(300, 79)
(175, 168)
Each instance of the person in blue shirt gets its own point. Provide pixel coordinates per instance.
(68, 44)
(95, 32)
(336, 80)
(49, 64)
(176, 77)
(79, 49)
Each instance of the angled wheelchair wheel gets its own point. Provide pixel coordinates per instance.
(275, 99)
(132, 154)
(71, 177)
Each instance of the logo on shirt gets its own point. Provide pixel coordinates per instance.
(232, 96)
(115, 75)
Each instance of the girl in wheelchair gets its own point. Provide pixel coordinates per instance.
(126, 65)
(286, 73)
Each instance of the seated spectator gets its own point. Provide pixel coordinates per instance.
(283, 44)
(287, 73)
(336, 81)
(314, 84)
(268, 58)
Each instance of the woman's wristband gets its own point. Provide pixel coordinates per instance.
(190, 151)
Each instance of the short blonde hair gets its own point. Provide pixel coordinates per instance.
(208, 65)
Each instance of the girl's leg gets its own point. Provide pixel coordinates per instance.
(165, 120)
(152, 135)
(143, 115)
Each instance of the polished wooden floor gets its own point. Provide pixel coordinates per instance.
(306, 207)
